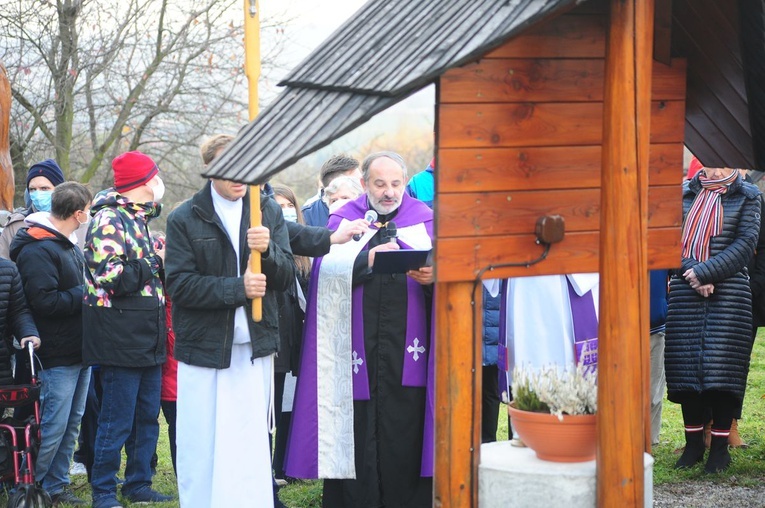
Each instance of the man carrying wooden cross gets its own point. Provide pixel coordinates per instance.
(224, 357)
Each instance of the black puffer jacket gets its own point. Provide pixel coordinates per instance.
(51, 269)
(757, 278)
(15, 317)
(709, 340)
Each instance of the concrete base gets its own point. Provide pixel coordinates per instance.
(514, 477)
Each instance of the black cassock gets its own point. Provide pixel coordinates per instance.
(388, 427)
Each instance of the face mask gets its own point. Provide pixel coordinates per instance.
(337, 204)
(41, 200)
(81, 223)
(290, 214)
(158, 190)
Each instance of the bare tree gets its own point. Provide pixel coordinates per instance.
(93, 78)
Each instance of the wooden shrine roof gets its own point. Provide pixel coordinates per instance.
(724, 44)
(388, 50)
(392, 48)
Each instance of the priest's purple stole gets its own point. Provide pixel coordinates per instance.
(585, 328)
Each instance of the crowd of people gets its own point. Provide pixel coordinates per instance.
(128, 322)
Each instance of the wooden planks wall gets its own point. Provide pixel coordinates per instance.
(520, 135)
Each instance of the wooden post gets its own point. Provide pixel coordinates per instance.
(623, 252)
(252, 70)
(6, 164)
(458, 395)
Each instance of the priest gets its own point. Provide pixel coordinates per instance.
(363, 407)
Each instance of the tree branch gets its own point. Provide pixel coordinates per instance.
(35, 114)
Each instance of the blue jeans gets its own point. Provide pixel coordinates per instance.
(129, 412)
(64, 390)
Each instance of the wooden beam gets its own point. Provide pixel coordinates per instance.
(482, 214)
(460, 259)
(623, 255)
(522, 124)
(525, 79)
(498, 80)
(536, 168)
(567, 36)
(458, 395)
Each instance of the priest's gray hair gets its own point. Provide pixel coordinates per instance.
(373, 157)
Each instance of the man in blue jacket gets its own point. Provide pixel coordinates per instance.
(422, 185)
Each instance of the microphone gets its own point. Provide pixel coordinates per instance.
(370, 217)
(391, 234)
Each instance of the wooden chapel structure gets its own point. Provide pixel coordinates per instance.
(574, 108)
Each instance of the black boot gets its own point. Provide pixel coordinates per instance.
(719, 457)
(694, 450)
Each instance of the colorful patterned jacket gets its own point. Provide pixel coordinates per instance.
(124, 301)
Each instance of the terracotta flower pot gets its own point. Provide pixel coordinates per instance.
(571, 440)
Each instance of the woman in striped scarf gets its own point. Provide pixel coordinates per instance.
(708, 334)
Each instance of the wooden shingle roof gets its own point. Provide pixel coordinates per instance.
(392, 48)
(388, 50)
(724, 48)
(724, 44)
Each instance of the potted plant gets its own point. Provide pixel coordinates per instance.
(553, 411)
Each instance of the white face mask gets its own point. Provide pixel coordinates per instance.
(290, 214)
(158, 190)
(337, 204)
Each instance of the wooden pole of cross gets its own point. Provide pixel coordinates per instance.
(252, 71)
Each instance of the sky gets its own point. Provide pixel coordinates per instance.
(311, 23)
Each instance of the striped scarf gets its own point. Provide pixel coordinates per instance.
(705, 218)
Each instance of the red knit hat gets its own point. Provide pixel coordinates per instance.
(693, 167)
(132, 169)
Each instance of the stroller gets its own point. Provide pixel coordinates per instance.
(19, 444)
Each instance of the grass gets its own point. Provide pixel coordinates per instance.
(302, 494)
(163, 481)
(748, 466)
(747, 469)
